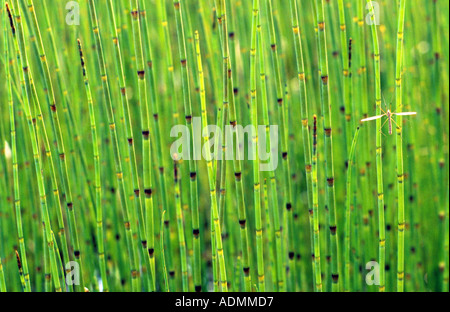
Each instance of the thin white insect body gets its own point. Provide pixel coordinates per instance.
(389, 115)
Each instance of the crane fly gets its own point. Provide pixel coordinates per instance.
(389, 115)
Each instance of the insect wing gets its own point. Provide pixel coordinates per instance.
(372, 118)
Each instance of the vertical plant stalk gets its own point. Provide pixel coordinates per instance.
(147, 231)
(348, 209)
(346, 81)
(399, 149)
(315, 212)
(284, 145)
(326, 107)
(304, 114)
(228, 99)
(60, 144)
(22, 61)
(97, 179)
(255, 145)
(180, 226)
(17, 203)
(188, 119)
(117, 156)
(209, 164)
(379, 152)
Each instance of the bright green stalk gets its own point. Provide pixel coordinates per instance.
(159, 146)
(17, 203)
(315, 212)
(179, 213)
(379, 162)
(97, 185)
(399, 149)
(25, 74)
(2, 278)
(304, 112)
(163, 255)
(228, 99)
(212, 186)
(188, 118)
(146, 231)
(284, 147)
(60, 144)
(326, 107)
(346, 81)
(348, 208)
(117, 157)
(256, 27)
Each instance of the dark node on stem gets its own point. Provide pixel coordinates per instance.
(155, 117)
(288, 206)
(146, 134)
(117, 237)
(313, 256)
(150, 64)
(130, 141)
(296, 216)
(188, 118)
(70, 206)
(246, 271)
(437, 56)
(231, 35)
(172, 274)
(151, 251)
(113, 190)
(280, 101)
(148, 192)
(136, 192)
(273, 47)
(193, 175)
(333, 230)
(123, 281)
(196, 232)
(371, 212)
(238, 176)
(19, 263)
(299, 257)
(235, 91)
(242, 223)
(127, 225)
(291, 255)
(335, 278)
(144, 243)
(335, 53)
(141, 74)
(233, 123)
(413, 250)
(328, 258)
(388, 227)
(183, 62)
(387, 267)
(176, 5)
(123, 91)
(327, 131)
(330, 182)
(284, 155)
(324, 79)
(308, 168)
(342, 109)
(166, 223)
(76, 253)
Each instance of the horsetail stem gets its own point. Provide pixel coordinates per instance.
(113, 133)
(212, 187)
(97, 185)
(326, 107)
(22, 60)
(379, 162)
(348, 209)
(315, 212)
(399, 149)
